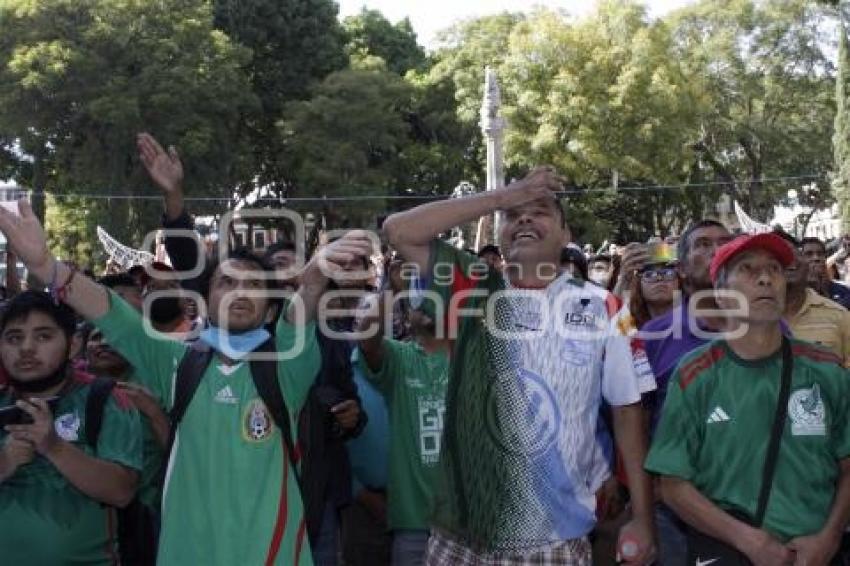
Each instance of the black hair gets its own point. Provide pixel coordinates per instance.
(490, 248)
(239, 254)
(279, 246)
(27, 302)
(576, 257)
(788, 238)
(811, 240)
(683, 247)
(118, 280)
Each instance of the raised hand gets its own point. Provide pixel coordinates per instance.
(540, 183)
(26, 237)
(333, 258)
(326, 264)
(164, 168)
(635, 258)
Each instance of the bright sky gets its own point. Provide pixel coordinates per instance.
(430, 16)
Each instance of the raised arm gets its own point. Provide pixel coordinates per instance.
(26, 237)
(372, 334)
(410, 232)
(166, 171)
(325, 263)
(13, 282)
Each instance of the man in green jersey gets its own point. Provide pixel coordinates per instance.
(412, 377)
(229, 495)
(711, 443)
(59, 485)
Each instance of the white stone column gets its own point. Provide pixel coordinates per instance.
(493, 128)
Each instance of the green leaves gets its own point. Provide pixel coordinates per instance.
(733, 92)
(280, 94)
(78, 80)
(370, 33)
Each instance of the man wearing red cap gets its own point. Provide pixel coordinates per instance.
(737, 399)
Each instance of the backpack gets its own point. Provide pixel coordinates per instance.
(264, 374)
(100, 390)
(136, 529)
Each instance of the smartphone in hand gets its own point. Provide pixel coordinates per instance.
(14, 415)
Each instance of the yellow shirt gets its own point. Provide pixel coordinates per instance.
(823, 322)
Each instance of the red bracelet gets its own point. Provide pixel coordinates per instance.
(62, 291)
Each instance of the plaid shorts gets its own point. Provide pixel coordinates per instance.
(443, 551)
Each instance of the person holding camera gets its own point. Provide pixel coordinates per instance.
(70, 450)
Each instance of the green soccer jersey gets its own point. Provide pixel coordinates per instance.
(230, 496)
(414, 384)
(716, 424)
(44, 520)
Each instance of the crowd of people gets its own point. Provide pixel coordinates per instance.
(679, 401)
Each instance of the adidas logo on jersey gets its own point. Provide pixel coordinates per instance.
(718, 415)
(226, 396)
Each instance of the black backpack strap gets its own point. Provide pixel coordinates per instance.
(776, 432)
(264, 374)
(186, 380)
(187, 377)
(99, 392)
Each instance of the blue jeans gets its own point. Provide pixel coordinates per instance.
(672, 543)
(409, 547)
(326, 549)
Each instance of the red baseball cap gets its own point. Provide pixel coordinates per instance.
(769, 242)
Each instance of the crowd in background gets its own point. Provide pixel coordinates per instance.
(138, 428)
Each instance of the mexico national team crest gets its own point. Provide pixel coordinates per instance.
(256, 422)
(67, 427)
(807, 412)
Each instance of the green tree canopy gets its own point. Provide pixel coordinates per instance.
(79, 79)
(294, 44)
(841, 135)
(370, 33)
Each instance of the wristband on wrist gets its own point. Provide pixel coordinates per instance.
(59, 292)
